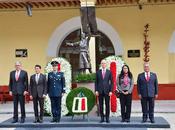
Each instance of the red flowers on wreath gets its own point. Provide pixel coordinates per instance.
(113, 68)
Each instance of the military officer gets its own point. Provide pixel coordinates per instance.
(56, 84)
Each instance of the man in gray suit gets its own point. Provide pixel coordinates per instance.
(38, 91)
(147, 86)
(103, 89)
(18, 86)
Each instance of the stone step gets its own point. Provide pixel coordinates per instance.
(78, 121)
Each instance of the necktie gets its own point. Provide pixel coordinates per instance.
(103, 74)
(17, 75)
(147, 76)
(37, 78)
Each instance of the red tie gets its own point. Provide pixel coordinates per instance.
(147, 77)
(17, 75)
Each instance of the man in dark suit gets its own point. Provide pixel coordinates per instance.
(18, 86)
(56, 84)
(38, 91)
(103, 89)
(147, 86)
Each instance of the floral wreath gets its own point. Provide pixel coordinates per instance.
(120, 62)
(115, 64)
(65, 67)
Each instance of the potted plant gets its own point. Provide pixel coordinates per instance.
(83, 77)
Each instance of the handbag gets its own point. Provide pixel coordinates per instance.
(117, 93)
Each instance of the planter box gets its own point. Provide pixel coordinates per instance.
(90, 85)
(4, 94)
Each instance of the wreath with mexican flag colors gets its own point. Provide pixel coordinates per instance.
(80, 100)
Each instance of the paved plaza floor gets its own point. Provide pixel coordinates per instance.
(164, 117)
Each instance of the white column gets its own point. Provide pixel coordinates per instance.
(92, 54)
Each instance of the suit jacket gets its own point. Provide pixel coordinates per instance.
(18, 87)
(56, 84)
(147, 88)
(38, 89)
(104, 85)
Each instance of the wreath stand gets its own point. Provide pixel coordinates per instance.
(80, 106)
(82, 115)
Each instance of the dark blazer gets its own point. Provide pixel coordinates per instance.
(104, 85)
(18, 87)
(147, 88)
(56, 84)
(39, 89)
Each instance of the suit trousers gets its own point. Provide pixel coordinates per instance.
(126, 102)
(39, 100)
(21, 99)
(56, 107)
(105, 97)
(147, 107)
(88, 20)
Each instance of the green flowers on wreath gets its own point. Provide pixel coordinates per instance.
(80, 100)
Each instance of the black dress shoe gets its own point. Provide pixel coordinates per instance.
(144, 120)
(22, 121)
(102, 120)
(152, 120)
(14, 121)
(53, 120)
(57, 121)
(127, 120)
(108, 121)
(40, 120)
(35, 121)
(123, 120)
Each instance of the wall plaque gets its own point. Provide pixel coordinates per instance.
(133, 53)
(21, 52)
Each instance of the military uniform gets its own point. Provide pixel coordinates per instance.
(56, 84)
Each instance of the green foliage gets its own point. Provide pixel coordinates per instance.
(87, 93)
(82, 77)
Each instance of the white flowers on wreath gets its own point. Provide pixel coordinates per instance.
(119, 62)
(65, 67)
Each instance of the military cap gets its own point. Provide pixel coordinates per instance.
(54, 63)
